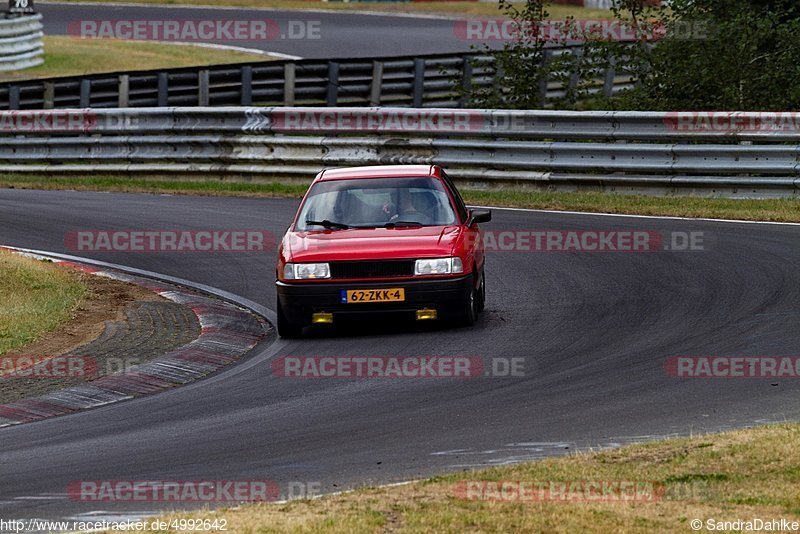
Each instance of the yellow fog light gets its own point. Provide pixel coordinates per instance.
(426, 314)
(322, 318)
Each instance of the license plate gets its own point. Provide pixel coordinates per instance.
(395, 294)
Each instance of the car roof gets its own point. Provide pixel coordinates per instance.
(380, 171)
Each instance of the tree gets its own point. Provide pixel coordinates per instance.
(519, 68)
(721, 55)
(686, 55)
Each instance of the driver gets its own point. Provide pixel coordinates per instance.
(407, 206)
(407, 209)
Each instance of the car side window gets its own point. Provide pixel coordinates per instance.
(461, 208)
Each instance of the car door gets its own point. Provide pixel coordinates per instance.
(473, 237)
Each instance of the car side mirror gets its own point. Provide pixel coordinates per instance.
(479, 216)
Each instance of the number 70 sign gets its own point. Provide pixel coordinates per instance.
(20, 6)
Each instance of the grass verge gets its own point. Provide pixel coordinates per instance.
(746, 474)
(775, 210)
(70, 56)
(477, 8)
(35, 298)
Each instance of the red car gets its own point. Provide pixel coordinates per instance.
(393, 239)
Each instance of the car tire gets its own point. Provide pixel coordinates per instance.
(470, 308)
(482, 292)
(286, 328)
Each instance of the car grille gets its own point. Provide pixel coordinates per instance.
(372, 269)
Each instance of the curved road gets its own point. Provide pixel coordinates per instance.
(306, 34)
(594, 331)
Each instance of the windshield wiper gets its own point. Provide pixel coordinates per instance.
(392, 224)
(402, 224)
(329, 225)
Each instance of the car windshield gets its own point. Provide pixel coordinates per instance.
(376, 202)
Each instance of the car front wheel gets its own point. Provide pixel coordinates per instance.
(471, 307)
(482, 292)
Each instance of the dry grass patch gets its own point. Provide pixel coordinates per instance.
(745, 474)
(35, 298)
(72, 56)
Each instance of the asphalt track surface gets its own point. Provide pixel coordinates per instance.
(340, 35)
(594, 330)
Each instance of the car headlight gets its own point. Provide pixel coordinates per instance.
(438, 266)
(306, 271)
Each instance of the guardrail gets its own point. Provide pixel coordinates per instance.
(414, 81)
(617, 151)
(21, 44)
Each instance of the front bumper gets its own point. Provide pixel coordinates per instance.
(300, 300)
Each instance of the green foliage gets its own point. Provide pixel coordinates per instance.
(744, 56)
(519, 64)
(689, 55)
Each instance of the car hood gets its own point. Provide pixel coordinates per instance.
(370, 243)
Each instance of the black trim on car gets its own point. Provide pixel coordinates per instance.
(300, 300)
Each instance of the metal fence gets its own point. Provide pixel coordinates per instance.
(414, 81)
(616, 151)
(21, 42)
